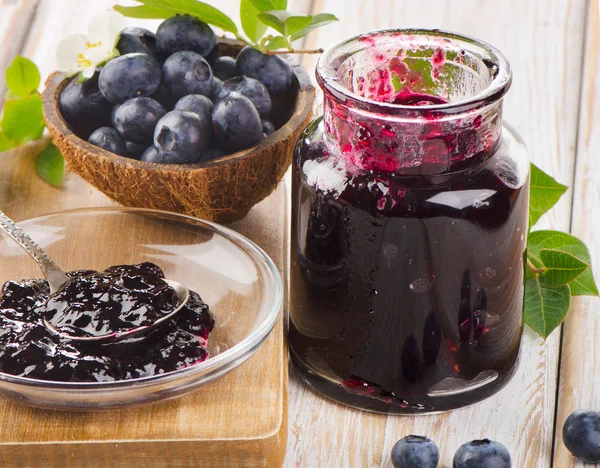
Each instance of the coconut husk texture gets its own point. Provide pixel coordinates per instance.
(221, 190)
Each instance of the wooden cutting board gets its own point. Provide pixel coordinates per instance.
(237, 421)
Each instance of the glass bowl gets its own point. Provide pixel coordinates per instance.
(233, 276)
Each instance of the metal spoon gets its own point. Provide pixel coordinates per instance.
(56, 278)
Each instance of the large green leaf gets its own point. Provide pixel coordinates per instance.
(545, 308)
(50, 166)
(253, 27)
(22, 120)
(545, 192)
(268, 5)
(584, 285)
(22, 77)
(561, 267)
(158, 9)
(317, 21)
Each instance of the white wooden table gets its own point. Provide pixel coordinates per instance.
(554, 49)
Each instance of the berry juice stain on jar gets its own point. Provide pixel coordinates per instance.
(407, 270)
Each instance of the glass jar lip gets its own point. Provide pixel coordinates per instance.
(496, 89)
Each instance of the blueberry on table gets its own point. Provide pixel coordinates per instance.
(274, 72)
(267, 126)
(182, 136)
(415, 451)
(136, 119)
(198, 104)
(134, 151)
(482, 454)
(129, 76)
(581, 435)
(186, 73)
(185, 33)
(236, 123)
(252, 89)
(223, 67)
(84, 107)
(134, 40)
(109, 139)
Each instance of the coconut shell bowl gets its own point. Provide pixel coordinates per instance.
(222, 189)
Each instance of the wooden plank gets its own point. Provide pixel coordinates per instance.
(57, 436)
(579, 377)
(542, 39)
(15, 21)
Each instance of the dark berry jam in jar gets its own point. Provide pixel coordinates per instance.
(409, 226)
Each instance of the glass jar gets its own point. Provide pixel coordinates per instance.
(409, 226)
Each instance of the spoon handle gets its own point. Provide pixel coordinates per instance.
(55, 276)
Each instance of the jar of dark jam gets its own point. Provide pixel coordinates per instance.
(409, 226)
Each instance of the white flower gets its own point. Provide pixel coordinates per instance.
(81, 53)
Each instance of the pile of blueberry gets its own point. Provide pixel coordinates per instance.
(171, 98)
(420, 452)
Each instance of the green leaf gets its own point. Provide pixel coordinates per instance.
(277, 42)
(584, 285)
(268, 5)
(562, 267)
(544, 193)
(276, 19)
(23, 120)
(545, 309)
(295, 24)
(158, 9)
(253, 27)
(5, 142)
(22, 77)
(317, 21)
(50, 166)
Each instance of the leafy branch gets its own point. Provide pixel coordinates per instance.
(558, 264)
(23, 119)
(256, 16)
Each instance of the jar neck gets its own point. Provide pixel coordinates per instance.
(420, 141)
(413, 101)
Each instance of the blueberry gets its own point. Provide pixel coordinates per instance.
(150, 155)
(213, 153)
(185, 33)
(267, 127)
(109, 139)
(581, 435)
(198, 104)
(155, 155)
(134, 150)
(184, 134)
(84, 107)
(186, 73)
(482, 454)
(252, 89)
(237, 123)
(215, 91)
(223, 67)
(274, 72)
(415, 451)
(134, 40)
(136, 119)
(128, 76)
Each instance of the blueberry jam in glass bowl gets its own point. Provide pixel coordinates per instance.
(409, 226)
(99, 303)
(219, 266)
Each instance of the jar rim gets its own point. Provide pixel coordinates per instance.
(494, 59)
